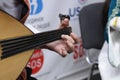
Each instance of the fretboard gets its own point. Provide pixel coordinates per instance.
(17, 45)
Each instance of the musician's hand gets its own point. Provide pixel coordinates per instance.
(66, 45)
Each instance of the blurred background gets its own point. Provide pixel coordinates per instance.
(48, 65)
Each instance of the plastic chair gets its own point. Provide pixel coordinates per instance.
(92, 33)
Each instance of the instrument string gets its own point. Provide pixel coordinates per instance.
(24, 48)
(30, 44)
(14, 43)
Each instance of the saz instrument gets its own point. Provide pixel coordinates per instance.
(17, 44)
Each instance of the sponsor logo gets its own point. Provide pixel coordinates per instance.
(74, 12)
(82, 1)
(36, 61)
(36, 6)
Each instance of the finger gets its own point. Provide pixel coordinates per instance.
(64, 52)
(64, 23)
(70, 46)
(75, 37)
(69, 43)
(67, 37)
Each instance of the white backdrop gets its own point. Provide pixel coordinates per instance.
(48, 65)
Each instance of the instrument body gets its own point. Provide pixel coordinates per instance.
(12, 65)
